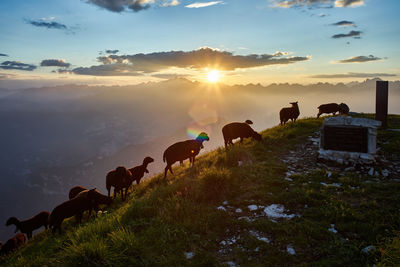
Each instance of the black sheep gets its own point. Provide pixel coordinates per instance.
(328, 108)
(27, 226)
(119, 178)
(139, 171)
(76, 190)
(69, 208)
(180, 151)
(13, 243)
(289, 113)
(96, 199)
(239, 130)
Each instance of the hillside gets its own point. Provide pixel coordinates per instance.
(257, 204)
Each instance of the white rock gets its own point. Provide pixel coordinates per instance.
(225, 203)
(276, 211)
(368, 249)
(266, 240)
(371, 171)
(290, 250)
(332, 229)
(221, 208)
(385, 173)
(329, 174)
(230, 263)
(238, 210)
(252, 207)
(189, 255)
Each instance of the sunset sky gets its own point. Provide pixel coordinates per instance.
(247, 41)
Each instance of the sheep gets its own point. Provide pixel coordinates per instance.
(138, 171)
(180, 151)
(239, 130)
(289, 113)
(96, 199)
(328, 108)
(344, 109)
(13, 243)
(76, 190)
(69, 208)
(27, 226)
(119, 178)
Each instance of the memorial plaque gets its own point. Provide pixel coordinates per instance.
(345, 138)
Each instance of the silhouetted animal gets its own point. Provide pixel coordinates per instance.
(328, 108)
(291, 113)
(180, 151)
(96, 198)
(76, 190)
(119, 178)
(69, 208)
(239, 130)
(27, 226)
(138, 171)
(13, 243)
(344, 109)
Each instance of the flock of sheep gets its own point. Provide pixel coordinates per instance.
(82, 199)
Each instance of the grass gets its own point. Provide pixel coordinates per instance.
(162, 221)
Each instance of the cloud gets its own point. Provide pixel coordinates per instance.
(3, 55)
(108, 51)
(316, 3)
(354, 34)
(359, 59)
(168, 76)
(139, 64)
(344, 23)
(346, 3)
(122, 5)
(352, 75)
(48, 25)
(16, 65)
(54, 63)
(204, 4)
(172, 3)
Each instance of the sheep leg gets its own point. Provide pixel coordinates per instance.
(241, 140)
(193, 161)
(319, 114)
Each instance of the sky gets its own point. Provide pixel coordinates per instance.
(245, 41)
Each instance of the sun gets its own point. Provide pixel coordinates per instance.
(213, 76)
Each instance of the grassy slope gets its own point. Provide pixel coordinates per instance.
(161, 221)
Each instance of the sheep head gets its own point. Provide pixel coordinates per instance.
(148, 160)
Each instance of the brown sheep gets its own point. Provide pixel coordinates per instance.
(96, 199)
(27, 226)
(289, 113)
(239, 130)
(119, 178)
(76, 190)
(180, 151)
(138, 171)
(69, 208)
(328, 108)
(13, 243)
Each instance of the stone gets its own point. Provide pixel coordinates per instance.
(371, 171)
(385, 173)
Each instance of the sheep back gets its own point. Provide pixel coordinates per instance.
(75, 191)
(238, 130)
(182, 150)
(329, 108)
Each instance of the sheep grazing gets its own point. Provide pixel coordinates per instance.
(180, 151)
(75, 191)
(69, 208)
(239, 130)
(289, 113)
(328, 108)
(96, 199)
(138, 171)
(344, 109)
(13, 243)
(27, 226)
(119, 178)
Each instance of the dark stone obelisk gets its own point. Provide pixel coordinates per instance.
(381, 107)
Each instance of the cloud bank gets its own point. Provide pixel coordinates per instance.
(139, 64)
(54, 63)
(16, 65)
(344, 23)
(316, 3)
(3, 55)
(359, 59)
(48, 25)
(354, 34)
(352, 75)
(122, 5)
